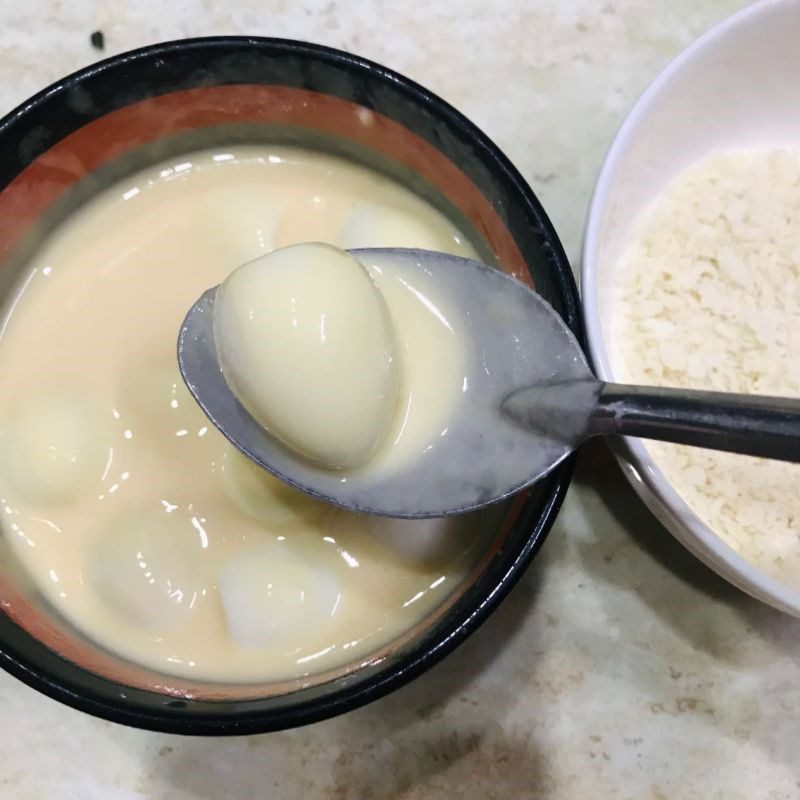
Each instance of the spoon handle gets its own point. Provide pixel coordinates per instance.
(750, 424)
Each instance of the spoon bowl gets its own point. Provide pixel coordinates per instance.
(483, 456)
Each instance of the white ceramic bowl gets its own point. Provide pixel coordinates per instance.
(736, 86)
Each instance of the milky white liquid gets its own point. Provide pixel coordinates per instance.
(130, 513)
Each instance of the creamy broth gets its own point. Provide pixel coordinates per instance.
(129, 511)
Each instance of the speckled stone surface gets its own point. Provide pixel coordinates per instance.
(619, 667)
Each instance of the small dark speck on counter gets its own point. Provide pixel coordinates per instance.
(98, 40)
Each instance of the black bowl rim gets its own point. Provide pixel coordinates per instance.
(402, 671)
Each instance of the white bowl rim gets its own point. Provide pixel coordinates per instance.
(641, 470)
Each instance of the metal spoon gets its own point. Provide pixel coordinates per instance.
(529, 399)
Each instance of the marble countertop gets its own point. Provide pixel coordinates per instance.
(620, 667)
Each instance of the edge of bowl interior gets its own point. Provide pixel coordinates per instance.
(639, 467)
(42, 669)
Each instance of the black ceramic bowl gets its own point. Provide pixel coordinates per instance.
(116, 116)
